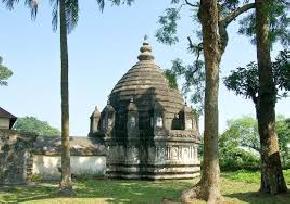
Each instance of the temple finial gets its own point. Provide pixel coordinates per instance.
(146, 51)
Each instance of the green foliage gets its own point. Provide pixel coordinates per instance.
(279, 23)
(5, 73)
(236, 158)
(35, 126)
(172, 78)
(239, 145)
(244, 80)
(242, 132)
(193, 77)
(283, 131)
(167, 34)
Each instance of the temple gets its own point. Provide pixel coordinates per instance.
(148, 130)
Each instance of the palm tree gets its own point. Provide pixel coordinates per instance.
(68, 18)
(68, 13)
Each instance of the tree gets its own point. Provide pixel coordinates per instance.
(68, 13)
(272, 179)
(283, 132)
(241, 141)
(215, 16)
(239, 145)
(268, 25)
(35, 126)
(242, 132)
(5, 73)
(245, 82)
(193, 81)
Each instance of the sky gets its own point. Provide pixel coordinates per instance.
(102, 48)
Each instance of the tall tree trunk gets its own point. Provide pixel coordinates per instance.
(209, 186)
(65, 183)
(272, 179)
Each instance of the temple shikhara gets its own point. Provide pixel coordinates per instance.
(148, 130)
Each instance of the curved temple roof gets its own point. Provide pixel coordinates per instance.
(147, 84)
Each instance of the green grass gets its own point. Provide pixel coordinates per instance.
(243, 176)
(237, 187)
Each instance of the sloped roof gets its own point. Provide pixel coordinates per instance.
(79, 146)
(5, 114)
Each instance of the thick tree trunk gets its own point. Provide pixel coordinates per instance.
(65, 183)
(272, 179)
(209, 186)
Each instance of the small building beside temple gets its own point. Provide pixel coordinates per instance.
(7, 120)
(148, 130)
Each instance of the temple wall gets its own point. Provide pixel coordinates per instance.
(47, 167)
(160, 161)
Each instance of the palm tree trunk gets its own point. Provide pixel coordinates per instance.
(65, 183)
(272, 179)
(209, 186)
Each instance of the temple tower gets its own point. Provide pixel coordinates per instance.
(149, 131)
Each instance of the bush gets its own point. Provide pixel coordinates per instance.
(232, 159)
(36, 178)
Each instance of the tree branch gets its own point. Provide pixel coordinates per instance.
(198, 48)
(191, 4)
(251, 146)
(234, 14)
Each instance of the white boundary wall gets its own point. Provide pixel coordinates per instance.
(47, 166)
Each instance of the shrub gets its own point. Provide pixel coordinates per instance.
(232, 159)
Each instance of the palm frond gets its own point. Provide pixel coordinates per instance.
(54, 4)
(101, 4)
(32, 4)
(72, 14)
(10, 3)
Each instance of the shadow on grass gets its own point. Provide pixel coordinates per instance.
(21, 193)
(260, 198)
(111, 191)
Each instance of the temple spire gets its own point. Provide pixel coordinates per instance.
(146, 51)
(145, 37)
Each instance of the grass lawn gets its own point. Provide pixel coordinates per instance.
(237, 187)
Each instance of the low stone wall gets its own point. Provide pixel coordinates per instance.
(47, 167)
(15, 157)
(88, 157)
(24, 155)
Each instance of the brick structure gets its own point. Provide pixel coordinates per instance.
(15, 157)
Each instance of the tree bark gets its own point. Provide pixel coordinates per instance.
(65, 186)
(272, 179)
(209, 186)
